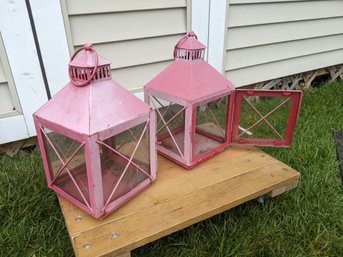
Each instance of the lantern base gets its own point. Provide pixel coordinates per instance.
(132, 183)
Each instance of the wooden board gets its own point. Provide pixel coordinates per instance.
(179, 198)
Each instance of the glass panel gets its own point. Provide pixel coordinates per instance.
(53, 161)
(77, 169)
(171, 126)
(114, 162)
(211, 125)
(252, 123)
(66, 148)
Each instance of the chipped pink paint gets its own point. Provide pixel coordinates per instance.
(90, 134)
(193, 88)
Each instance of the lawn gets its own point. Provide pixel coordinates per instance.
(307, 221)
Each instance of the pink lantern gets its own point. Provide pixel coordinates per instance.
(200, 113)
(97, 140)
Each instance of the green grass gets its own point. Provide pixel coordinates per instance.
(307, 221)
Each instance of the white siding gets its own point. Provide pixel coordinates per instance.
(22, 72)
(9, 103)
(137, 36)
(270, 39)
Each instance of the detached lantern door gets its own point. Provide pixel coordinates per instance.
(265, 117)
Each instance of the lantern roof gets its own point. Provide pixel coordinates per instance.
(190, 42)
(94, 107)
(190, 79)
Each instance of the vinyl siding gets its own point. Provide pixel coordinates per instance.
(137, 36)
(9, 104)
(270, 39)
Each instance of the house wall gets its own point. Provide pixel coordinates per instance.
(9, 104)
(22, 87)
(267, 39)
(247, 40)
(137, 36)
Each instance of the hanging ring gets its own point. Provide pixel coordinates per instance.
(189, 34)
(86, 47)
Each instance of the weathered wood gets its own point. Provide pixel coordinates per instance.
(295, 83)
(302, 80)
(285, 188)
(128, 254)
(309, 78)
(14, 148)
(179, 198)
(336, 74)
(11, 149)
(271, 84)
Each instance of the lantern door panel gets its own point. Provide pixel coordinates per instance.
(67, 165)
(265, 117)
(210, 126)
(170, 127)
(125, 162)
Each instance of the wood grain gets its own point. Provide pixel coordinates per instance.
(180, 198)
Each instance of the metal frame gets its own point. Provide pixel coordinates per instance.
(202, 157)
(161, 149)
(64, 165)
(293, 96)
(127, 165)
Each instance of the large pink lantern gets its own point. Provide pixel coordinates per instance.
(97, 140)
(199, 112)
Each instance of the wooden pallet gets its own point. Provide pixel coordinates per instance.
(179, 198)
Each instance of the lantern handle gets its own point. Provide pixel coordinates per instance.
(86, 47)
(189, 34)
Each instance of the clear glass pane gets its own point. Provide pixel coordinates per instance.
(252, 123)
(171, 126)
(66, 148)
(78, 171)
(114, 161)
(53, 161)
(211, 125)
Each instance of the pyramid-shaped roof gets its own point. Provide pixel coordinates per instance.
(192, 79)
(92, 108)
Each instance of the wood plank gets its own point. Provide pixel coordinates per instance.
(104, 6)
(134, 78)
(245, 57)
(268, 71)
(138, 52)
(266, 13)
(178, 199)
(178, 213)
(99, 28)
(240, 37)
(127, 254)
(240, 159)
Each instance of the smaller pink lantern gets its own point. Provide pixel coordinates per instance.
(97, 140)
(200, 113)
